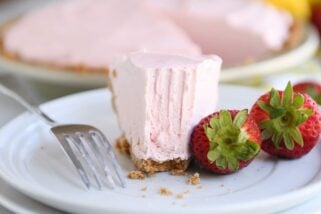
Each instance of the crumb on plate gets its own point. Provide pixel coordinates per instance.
(180, 196)
(194, 179)
(135, 174)
(165, 191)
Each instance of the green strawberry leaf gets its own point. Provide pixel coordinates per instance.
(232, 163)
(296, 135)
(225, 118)
(289, 144)
(266, 134)
(265, 107)
(215, 123)
(302, 116)
(213, 155)
(287, 98)
(240, 118)
(276, 138)
(247, 151)
(210, 133)
(275, 98)
(221, 162)
(298, 101)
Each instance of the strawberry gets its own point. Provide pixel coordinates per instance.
(226, 141)
(313, 89)
(290, 122)
(316, 16)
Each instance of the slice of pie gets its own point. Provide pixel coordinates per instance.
(159, 98)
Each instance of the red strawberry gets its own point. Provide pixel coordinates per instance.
(290, 122)
(316, 16)
(313, 89)
(226, 141)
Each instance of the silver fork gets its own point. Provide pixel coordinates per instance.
(86, 146)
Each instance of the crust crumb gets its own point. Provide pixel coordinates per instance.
(152, 173)
(178, 172)
(122, 145)
(180, 196)
(138, 175)
(194, 179)
(165, 191)
(144, 189)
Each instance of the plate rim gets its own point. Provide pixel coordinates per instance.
(43, 195)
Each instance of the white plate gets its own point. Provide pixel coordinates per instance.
(16, 202)
(32, 162)
(281, 62)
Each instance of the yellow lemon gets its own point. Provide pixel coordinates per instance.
(298, 8)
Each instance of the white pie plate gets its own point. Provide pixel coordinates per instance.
(33, 163)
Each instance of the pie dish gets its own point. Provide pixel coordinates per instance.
(40, 38)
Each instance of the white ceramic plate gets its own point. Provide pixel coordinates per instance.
(281, 62)
(32, 162)
(16, 202)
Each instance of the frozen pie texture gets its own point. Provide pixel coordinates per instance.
(91, 33)
(159, 98)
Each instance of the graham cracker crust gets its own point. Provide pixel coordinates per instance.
(194, 179)
(138, 175)
(295, 36)
(150, 166)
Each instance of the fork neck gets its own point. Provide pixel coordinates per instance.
(32, 108)
(44, 117)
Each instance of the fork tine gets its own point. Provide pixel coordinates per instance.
(104, 141)
(83, 175)
(79, 143)
(101, 160)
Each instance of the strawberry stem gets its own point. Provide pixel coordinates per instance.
(229, 143)
(286, 115)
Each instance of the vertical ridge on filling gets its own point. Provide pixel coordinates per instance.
(159, 98)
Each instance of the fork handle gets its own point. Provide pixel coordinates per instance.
(33, 109)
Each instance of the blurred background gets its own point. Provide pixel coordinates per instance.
(300, 62)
